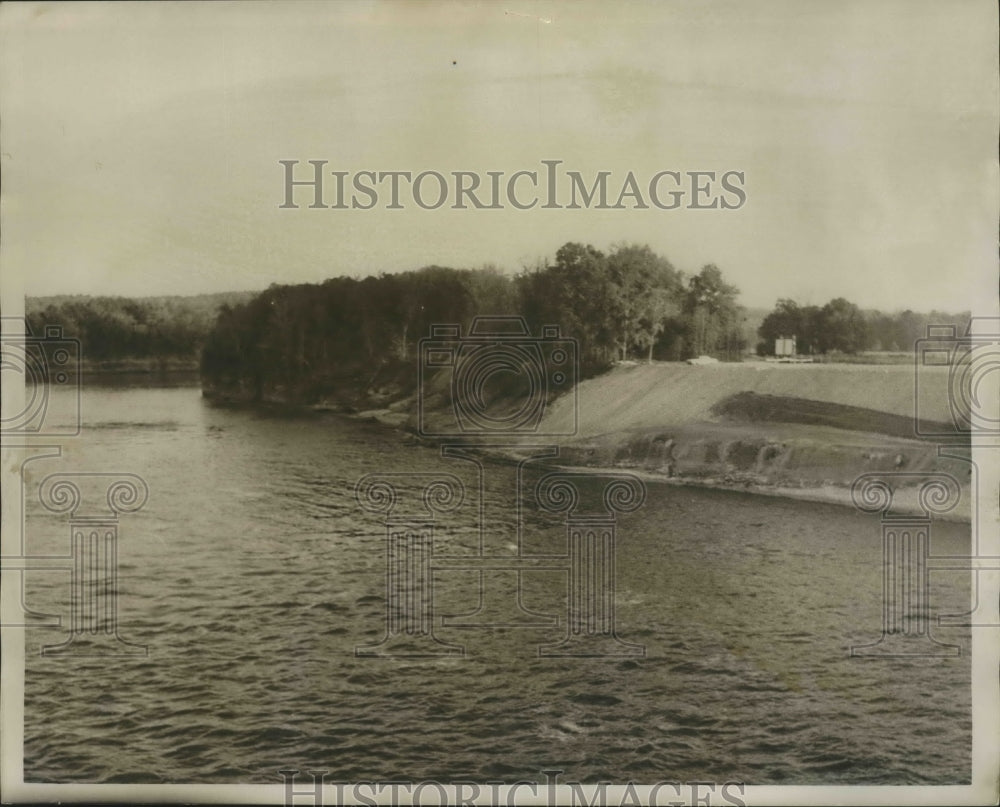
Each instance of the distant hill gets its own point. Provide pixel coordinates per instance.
(207, 304)
(135, 333)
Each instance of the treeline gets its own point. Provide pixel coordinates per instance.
(117, 328)
(841, 326)
(633, 304)
(304, 341)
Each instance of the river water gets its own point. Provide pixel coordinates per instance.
(252, 574)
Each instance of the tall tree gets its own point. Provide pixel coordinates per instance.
(712, 313)
(574, 293)
(648, 291)
(842, 327)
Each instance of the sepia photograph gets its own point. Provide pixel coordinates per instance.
(502, 402)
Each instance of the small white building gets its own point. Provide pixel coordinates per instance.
(784, 346)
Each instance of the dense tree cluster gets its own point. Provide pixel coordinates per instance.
(111, 328)
(632, 303)
(628, 303)
(840, 326)
(310, 338)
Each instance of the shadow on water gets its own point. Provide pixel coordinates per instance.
(140, 379)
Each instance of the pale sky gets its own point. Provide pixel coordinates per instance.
(140, 143)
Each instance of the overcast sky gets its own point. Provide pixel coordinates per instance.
(141, 142)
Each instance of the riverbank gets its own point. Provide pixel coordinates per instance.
(799, 431)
